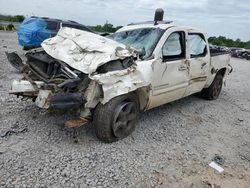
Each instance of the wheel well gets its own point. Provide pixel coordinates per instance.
(222, 72)
(143, 96)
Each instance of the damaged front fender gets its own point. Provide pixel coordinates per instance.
(121, 82)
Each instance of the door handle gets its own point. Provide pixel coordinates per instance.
(203, 65)
(182, 68)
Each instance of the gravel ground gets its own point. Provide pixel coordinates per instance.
(171, 147)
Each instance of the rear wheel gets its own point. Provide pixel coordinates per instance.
(214, 90)
(116, 119)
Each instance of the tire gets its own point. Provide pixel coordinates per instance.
(214, 90)
(116, 119)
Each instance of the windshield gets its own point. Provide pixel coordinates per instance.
(142, 40)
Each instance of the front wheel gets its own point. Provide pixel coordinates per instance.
(116, 119)
(214, 90)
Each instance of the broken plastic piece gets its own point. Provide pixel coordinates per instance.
(43, 99)
(13, 131)
(219, 159)
(74, 123)
(216, 167)
(15, 61)
(24, 86)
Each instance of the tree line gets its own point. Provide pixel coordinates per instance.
(223, 41)
(107, 27)
(8, 18)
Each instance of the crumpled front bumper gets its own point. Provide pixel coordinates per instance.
(25, 88)
(46, 98)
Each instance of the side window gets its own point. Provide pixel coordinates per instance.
(68, 25)
(84, 28)
(51, 25)
(197, 45)
(174, 47)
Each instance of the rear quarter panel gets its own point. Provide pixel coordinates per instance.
(218, 62)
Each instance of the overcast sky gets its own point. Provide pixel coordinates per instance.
(230, 18)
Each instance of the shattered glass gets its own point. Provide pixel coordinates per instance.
(143, 40)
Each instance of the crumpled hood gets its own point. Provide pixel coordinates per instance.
(83, 50)
(86, 51)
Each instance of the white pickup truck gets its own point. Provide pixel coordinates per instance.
(110, 80)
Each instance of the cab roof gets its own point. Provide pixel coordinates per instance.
(162, 25)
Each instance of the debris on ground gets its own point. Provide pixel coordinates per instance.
(13, 131)
(215, 166)
(2, 151)
(240, 119)
(245, 157)
(219, 160)
(74, 123)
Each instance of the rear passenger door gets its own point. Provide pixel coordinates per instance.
(198, 61)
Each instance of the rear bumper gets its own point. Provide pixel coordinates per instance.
(46, 98)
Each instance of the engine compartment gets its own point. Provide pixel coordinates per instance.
(57, 76)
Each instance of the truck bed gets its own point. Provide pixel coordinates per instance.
(217, 52)
(220, 59)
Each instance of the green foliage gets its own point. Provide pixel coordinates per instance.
(105, 28)
(10, 27)
(8, 18)
(223, 41)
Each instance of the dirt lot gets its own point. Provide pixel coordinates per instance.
(171, 147)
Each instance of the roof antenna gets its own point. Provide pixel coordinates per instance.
(159, 13)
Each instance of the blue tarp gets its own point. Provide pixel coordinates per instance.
(32, 32)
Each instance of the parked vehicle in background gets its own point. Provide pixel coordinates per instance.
(235, 52)
(110, 80)
(33, 31)
(240, 53)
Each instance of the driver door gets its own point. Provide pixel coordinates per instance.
(170, 72)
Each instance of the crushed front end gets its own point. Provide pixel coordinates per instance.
(77, 70)
(51, 83)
